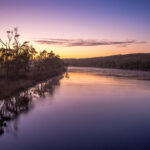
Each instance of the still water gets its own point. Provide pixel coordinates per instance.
(80, 111)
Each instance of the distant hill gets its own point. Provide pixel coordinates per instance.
(140, 61)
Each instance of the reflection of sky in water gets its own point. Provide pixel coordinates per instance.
(87, 112)
(137, 74)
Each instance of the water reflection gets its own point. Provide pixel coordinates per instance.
(23, 102)
(89, 112)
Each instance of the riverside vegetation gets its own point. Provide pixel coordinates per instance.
(21, 66)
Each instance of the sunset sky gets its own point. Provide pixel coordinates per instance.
(80, 28)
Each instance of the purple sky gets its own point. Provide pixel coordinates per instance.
(89, 28)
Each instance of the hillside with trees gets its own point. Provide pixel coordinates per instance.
(139, 61)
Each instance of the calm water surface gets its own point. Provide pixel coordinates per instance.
(82, 111)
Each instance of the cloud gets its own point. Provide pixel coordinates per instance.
(81, 42)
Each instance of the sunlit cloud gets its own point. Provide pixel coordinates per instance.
(82, 42)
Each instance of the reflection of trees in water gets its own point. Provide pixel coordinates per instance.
(22, 102)
(67, 75)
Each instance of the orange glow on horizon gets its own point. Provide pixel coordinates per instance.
(93, 51)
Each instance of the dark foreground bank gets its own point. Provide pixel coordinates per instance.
(11, 87)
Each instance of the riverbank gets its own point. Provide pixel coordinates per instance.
(10, 87)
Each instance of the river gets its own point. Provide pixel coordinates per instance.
(83, 110)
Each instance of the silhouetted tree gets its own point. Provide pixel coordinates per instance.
(14, 56)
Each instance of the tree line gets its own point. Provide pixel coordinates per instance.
(18, 60)
(139, 61)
